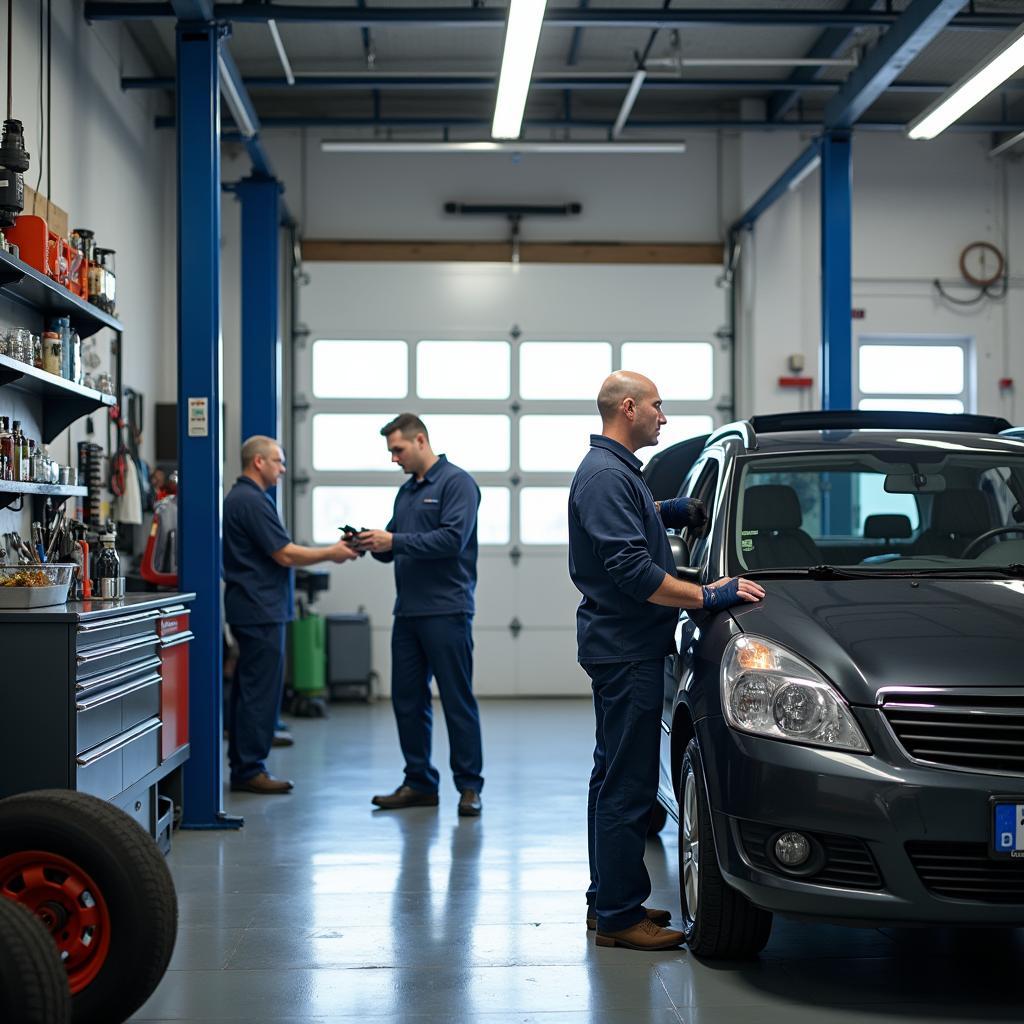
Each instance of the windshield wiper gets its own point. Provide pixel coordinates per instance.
(846, 572)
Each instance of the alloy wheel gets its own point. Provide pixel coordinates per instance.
(690, 835)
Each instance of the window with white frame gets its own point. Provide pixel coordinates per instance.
(517, 415)
(915, 374)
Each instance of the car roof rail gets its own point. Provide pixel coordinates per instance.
(878, 419)
(742, 429)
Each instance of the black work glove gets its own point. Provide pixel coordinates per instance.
(726, 596)
(680, 513)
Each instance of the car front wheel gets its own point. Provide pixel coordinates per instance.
(718, 921)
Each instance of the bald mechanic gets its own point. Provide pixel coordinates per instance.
(620, 560)
(258, 560)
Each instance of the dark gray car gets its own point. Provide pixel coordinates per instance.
(851, 748)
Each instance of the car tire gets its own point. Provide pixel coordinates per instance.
(659, 816)
(102, 886)
(33, 982)
(718, 921)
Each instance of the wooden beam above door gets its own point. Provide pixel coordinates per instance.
(355, 251)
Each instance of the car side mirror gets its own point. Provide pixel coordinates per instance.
(681, 559)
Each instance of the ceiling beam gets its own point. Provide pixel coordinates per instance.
(561, 17)
(778, 188)
(917, 26)
(586, 83)
(831, 43)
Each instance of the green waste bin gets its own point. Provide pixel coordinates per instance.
(309, 656)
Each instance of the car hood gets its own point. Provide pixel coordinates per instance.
(869, 634)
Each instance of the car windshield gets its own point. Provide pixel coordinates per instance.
(932, 506)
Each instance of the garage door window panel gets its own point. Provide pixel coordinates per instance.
(567, 371)
(360, 369)
(479, 370)
(682, 371)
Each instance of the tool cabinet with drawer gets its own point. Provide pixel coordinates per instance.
(94, 697)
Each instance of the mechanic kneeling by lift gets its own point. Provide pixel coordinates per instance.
(620, 560)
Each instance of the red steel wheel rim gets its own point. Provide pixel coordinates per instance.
(66, 899)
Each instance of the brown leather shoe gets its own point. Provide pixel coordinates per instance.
(263, 783)
(405, 796)
(660, 917)
(644, 935)
(469, 804)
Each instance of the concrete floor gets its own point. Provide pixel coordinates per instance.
(323, 910)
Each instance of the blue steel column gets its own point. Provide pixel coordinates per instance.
(836, 272)
(261, 336)
(837, 312)
(199, 380)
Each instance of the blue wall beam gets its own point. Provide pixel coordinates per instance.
(560, 17)
(261, 287)
(199, 404)
(836, 272)
(917, 26)
(778, 188)
(831, 43)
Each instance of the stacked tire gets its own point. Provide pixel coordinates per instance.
(99, 890)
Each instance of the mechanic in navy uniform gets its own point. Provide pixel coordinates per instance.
(620, 560)
(258, 559)
(432, 541)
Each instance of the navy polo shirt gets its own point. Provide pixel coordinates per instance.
(257, 590)
(434, 547)
(618, 557)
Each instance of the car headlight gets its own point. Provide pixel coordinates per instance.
(770, 692)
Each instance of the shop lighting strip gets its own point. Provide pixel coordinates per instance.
(995, 69)
(282, 54)
(355, 146)
(525, 18)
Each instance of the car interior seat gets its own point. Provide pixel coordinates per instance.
(887, 527)
(772, 534)
(958, 516)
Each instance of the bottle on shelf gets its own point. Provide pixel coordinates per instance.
(6, 449)
(107, 567)
(53, 352)
(25, 465)
(16, 453)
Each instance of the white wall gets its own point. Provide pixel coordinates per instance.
(916, 206)
(108, 164)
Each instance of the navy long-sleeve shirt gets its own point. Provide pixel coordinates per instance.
(434, 545)
(618, 557)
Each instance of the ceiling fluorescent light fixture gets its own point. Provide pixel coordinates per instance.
(995, 69)
(805, 172)
(282, 53)
(243, 122)
(525, 18)
(370, 146)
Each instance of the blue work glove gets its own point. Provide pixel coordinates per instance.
(725, 596)
(679, 513)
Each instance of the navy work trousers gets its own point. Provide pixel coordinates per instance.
(623, 787)
(438, 646)
(255, 698)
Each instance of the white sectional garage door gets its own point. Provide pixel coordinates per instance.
(503, 365)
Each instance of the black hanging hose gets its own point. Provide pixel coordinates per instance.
(49, 105)
(10, 59)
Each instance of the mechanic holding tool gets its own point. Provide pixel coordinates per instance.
(620, 560)
(432, 541)
(258, 559)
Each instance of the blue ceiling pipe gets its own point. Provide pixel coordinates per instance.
(562, 17)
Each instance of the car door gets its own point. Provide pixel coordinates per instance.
(702, 482)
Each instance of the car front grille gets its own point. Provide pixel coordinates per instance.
(848, 861)
(964, 871)
(969, 731)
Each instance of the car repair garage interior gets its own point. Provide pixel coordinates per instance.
(511, 513)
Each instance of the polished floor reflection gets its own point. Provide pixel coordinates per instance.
(325, 910)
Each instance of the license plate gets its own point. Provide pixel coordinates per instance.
(1008, 827)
